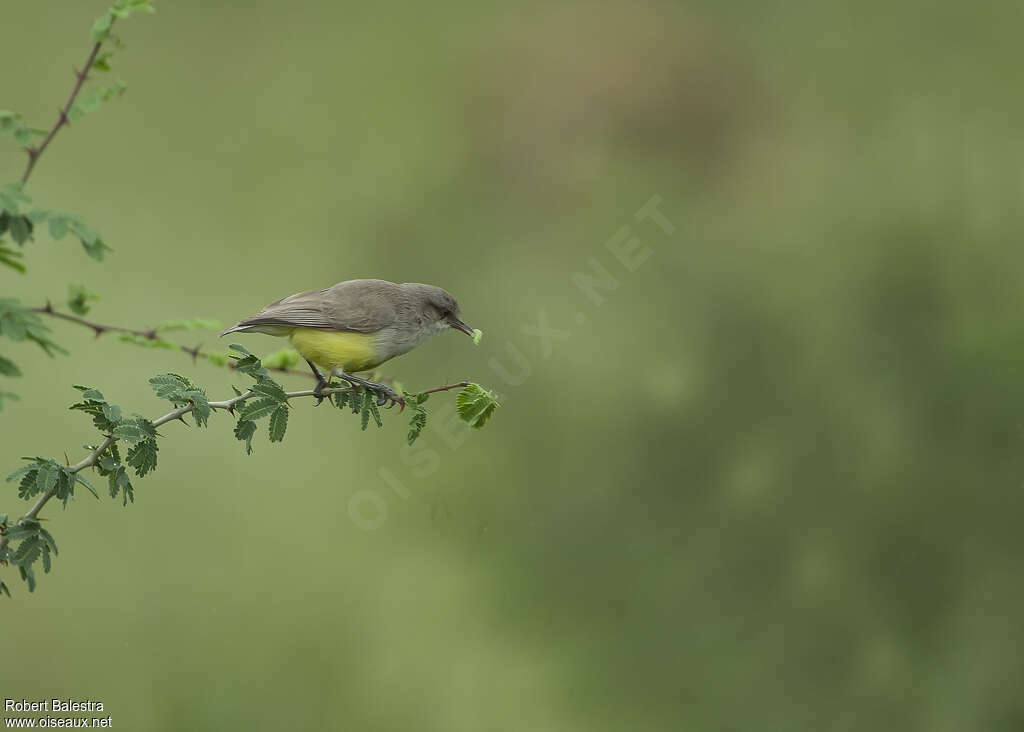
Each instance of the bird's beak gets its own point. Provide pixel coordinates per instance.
(454, 322)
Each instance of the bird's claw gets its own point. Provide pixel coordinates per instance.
(387, 395)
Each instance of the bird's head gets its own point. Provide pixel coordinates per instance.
(437, 307)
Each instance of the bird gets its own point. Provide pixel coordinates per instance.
(356, 325)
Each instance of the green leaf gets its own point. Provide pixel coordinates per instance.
(46, 477)
(81, 479)
(142, 457)
(11, 258)
(112, 413)
(129, 432)
(285, 358)
(79, 297)
(170, 386)
(139, 340)
(27, 486)
(28, 551)
(270, 389)
(20, 228)
(12, 195)
(117, 477)
(100, 411)
(248, 363)
(102, 61)
(47, 537)
(417, 421)
(191, 324)
(5, 395)
(200, 406)
(9, 368)
(19, 323)
(29, 576)
(364, 408)
(101, 27)
(475, 405)
(278, 423)
(244, 430)
(181, 391)
(58, 226)
(95, 248)
(375, 411)
(21, 471)
(11, 123)
(124, 8)
(258, 409)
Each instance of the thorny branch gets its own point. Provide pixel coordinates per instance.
(151, 334)
(81, 75)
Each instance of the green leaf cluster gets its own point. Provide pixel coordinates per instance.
(286, 358)
(180, 391)
(10, 122)
(105, 416)
(190, 324)
(14, 221)
(267, 400)
(93, 98)
(46, 475)
(116, 473)
(60, 224)
(34, 544)
(362, 402)
(20, 324)
(21, 225)
(120, 9)
(475, 405)
(139, 340)
(79, 297)
(418, 418)
(137, 431)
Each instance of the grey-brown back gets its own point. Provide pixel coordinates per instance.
(362, 306)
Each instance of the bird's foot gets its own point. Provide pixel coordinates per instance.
(321, 384)
(385, 394)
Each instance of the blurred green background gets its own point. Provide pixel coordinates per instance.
(772, 482)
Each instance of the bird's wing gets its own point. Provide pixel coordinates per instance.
(362, 306)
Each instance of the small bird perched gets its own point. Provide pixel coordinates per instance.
(357, 325)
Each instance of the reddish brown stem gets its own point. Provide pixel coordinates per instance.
(151, 334)
(446, 387)
(62, 119)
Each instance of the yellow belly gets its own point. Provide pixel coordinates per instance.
(350, 352)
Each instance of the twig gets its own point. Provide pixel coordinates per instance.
(34, 153)
(98, 328)
(446, 387)
(151, 334)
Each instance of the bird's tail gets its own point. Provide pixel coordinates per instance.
(266, 328)
(237, 327)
